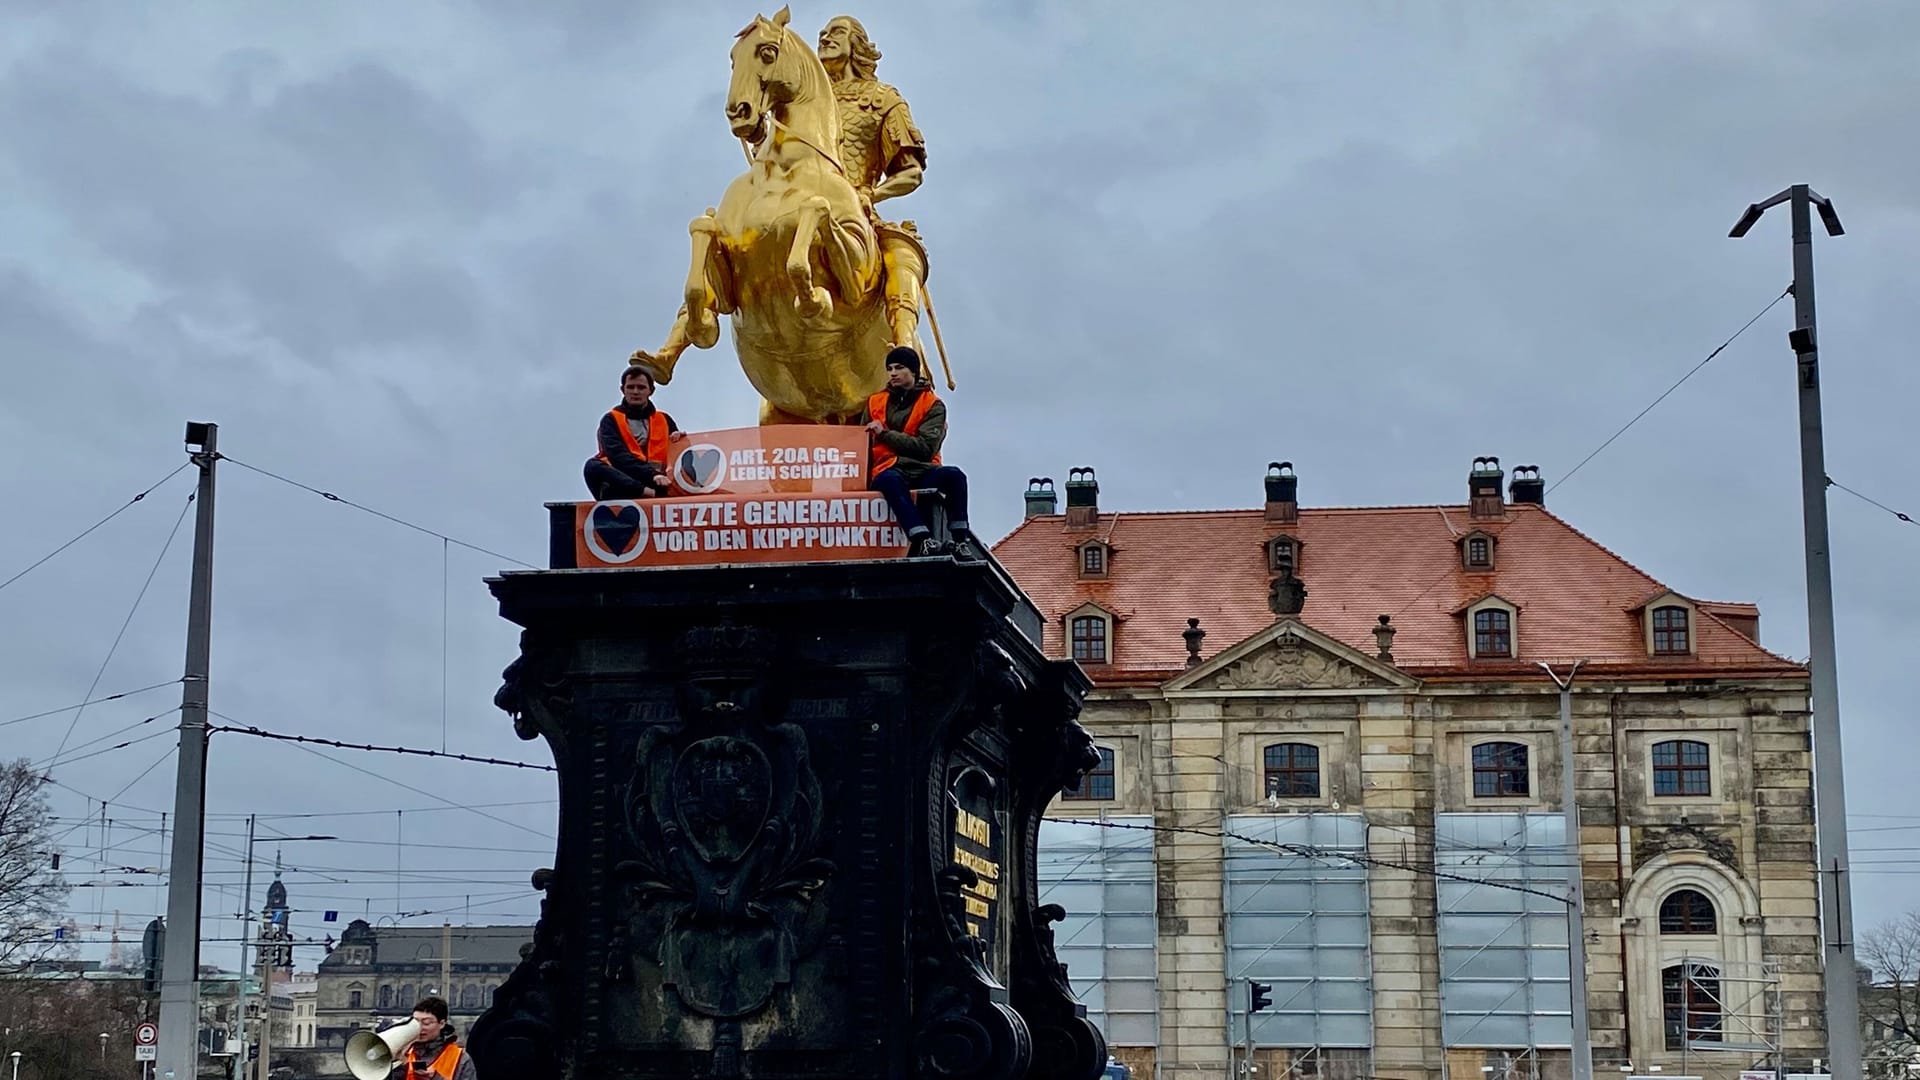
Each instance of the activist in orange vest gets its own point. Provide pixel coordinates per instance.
(635, 440)
(908, 423)
(435, 1052)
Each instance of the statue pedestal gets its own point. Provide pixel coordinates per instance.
(798, 809)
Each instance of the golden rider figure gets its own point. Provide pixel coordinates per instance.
(884, 156)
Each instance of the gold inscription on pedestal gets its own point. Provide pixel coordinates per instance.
(973, 848)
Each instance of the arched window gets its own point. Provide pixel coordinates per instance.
(1682, 767)
(1687, 911)
(1097, 784)
(1292, 770)
(470, 997)
(1499, 768)
(1492, 633)
(1690, 995)
(403, 998)
(1670, 632)
(1089, 639)
(386, 996)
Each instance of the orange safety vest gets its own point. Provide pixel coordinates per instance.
(445, 1062)
(656, 448)
(884, 458)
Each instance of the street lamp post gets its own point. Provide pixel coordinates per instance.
(16, 1064)
(1829, 781)
(103, 1049)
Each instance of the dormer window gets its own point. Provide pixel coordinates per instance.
(1672, 634)
(1492, 633)
(1093, 559)
(1492, 628)
(1667, 622)
(1087, 637)
(1283, 556)
(1476, 551)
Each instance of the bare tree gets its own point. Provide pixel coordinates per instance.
(31, 891)
(1890, 1008)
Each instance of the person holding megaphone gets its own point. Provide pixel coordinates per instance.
(423, 1048)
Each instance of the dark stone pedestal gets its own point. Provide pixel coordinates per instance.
(798, 810)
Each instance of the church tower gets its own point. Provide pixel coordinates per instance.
(276, 931)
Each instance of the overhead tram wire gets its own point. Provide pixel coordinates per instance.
(331, 497)
(398, 784)
(407, 809)
(1718, 349)
(1308, 851)
(124, 788)
(51, 763)
(1831, 482)
(89, 529)
(1637, 417)
(84, 704)
(128, 621)
(338, 745)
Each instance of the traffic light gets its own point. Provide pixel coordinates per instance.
(154, 945)
(1258, 995)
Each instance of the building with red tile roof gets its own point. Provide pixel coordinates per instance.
(1329, 745)
(1576, 599)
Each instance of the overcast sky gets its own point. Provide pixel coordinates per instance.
(400, 252)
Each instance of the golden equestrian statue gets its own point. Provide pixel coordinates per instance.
(817, 286)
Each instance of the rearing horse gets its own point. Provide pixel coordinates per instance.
(791, 254)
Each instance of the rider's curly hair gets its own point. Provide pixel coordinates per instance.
(864, 56)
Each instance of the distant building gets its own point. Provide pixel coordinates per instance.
(1330, 762)
(375, 975)
(304, 992)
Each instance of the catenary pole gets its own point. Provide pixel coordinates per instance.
(1829, 780)
(246, 927)
(1576, 888)
(179, 984)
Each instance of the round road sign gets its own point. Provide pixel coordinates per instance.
(146, 1035)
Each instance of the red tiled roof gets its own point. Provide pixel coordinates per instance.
(1359, 564)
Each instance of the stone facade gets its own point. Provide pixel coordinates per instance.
(1398, 651)
(1190, 755)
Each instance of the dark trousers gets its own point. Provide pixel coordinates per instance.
(606, 482)
(949, 481)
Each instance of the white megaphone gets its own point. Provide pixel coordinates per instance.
(370, 1054)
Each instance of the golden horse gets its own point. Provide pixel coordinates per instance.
(791, 254)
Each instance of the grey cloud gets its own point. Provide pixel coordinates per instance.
(401, 257)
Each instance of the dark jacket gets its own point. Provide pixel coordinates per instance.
(425, 1052)
(615, 448)
(916, 452)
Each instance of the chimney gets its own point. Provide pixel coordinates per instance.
(1484, 502)
(1040, 496)
(1282, 488)
(1083, 498)
(1527, 487)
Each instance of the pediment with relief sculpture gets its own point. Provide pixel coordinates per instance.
(1289, 663)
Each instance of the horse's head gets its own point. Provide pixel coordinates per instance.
(771, 66)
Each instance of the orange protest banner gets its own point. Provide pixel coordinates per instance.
(723, 529)
(781, 458)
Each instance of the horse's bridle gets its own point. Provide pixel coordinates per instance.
(766, 111)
